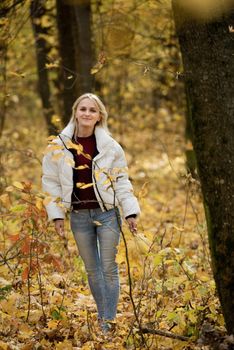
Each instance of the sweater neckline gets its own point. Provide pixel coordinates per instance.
(85, 137)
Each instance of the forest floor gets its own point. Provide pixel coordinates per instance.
(167, 286)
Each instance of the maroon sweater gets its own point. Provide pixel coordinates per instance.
(84, 198)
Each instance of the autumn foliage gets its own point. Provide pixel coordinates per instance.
(166, 279)
(168, 298)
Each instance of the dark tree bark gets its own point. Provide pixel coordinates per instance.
(207, 52)
(74, 27)
(37, 11)
(6, 11)
(3, 93)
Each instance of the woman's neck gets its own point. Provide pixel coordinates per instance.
(85, 132)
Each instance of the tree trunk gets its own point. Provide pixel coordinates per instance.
(3, 80)
(207, 51)
(6, 10)
(74, 27)
(84, 51)
(37, 11)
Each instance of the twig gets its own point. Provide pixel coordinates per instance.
(130, 287)
(29, 282)
(39, 279)
(164, 334)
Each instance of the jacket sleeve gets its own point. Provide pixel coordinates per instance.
(123, 187)
(51, 184)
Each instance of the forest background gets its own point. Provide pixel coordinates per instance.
(168, 296)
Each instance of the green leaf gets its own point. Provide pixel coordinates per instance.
(55, 314)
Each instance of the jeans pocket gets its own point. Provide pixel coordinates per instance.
(111, 218)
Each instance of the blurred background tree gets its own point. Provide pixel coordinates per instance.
(76, 52)
(125, 51)
(41, 24)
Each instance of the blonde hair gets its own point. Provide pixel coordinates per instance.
(101, 108)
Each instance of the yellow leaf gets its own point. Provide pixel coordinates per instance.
(47, 200)
(9, 189)
(39, 203)
(35, 316)
(203, 277)
(187, 296)
(4, 198)
(78, 148)
(144, 190)
(51, 138)
(52, 148)
(107, 182)
(97, 174)
(19, 75)
(4, 346)
(45, 21)
(192, 317)
(97, 223)
(96, 68)
(55, 119)
(24, 332)
(181, 229)
(29, 346)
(81, 167)
(66, 344)
(73, 145)
(53, 324)
(51, 65)
(158, 259)
(10, 305)
(212, 309)
(83, 185)
(18, 185)
(86, 155)
(142, 243)
(120, 257)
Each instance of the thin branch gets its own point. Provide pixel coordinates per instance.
(164, 334)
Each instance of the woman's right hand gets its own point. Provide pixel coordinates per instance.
(59, 227)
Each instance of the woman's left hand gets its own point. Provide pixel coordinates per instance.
(132, 224)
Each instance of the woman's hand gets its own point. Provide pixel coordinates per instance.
(132, 224)
(59, 227)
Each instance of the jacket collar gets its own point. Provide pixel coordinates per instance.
(103, 139)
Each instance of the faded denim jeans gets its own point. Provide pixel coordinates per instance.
(97, 236)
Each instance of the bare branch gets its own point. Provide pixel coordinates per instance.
(164, 334)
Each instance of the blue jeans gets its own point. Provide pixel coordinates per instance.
(97, 236)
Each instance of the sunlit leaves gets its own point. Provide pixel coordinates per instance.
(18, 185)
(79, 148)
(98, 66)
(83, 185)
(81, 167)
(52, 148)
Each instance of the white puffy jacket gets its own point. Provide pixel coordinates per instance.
(110, 179)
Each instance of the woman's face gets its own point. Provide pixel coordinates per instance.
(87, 114)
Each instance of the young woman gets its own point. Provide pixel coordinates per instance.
(85, 171)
